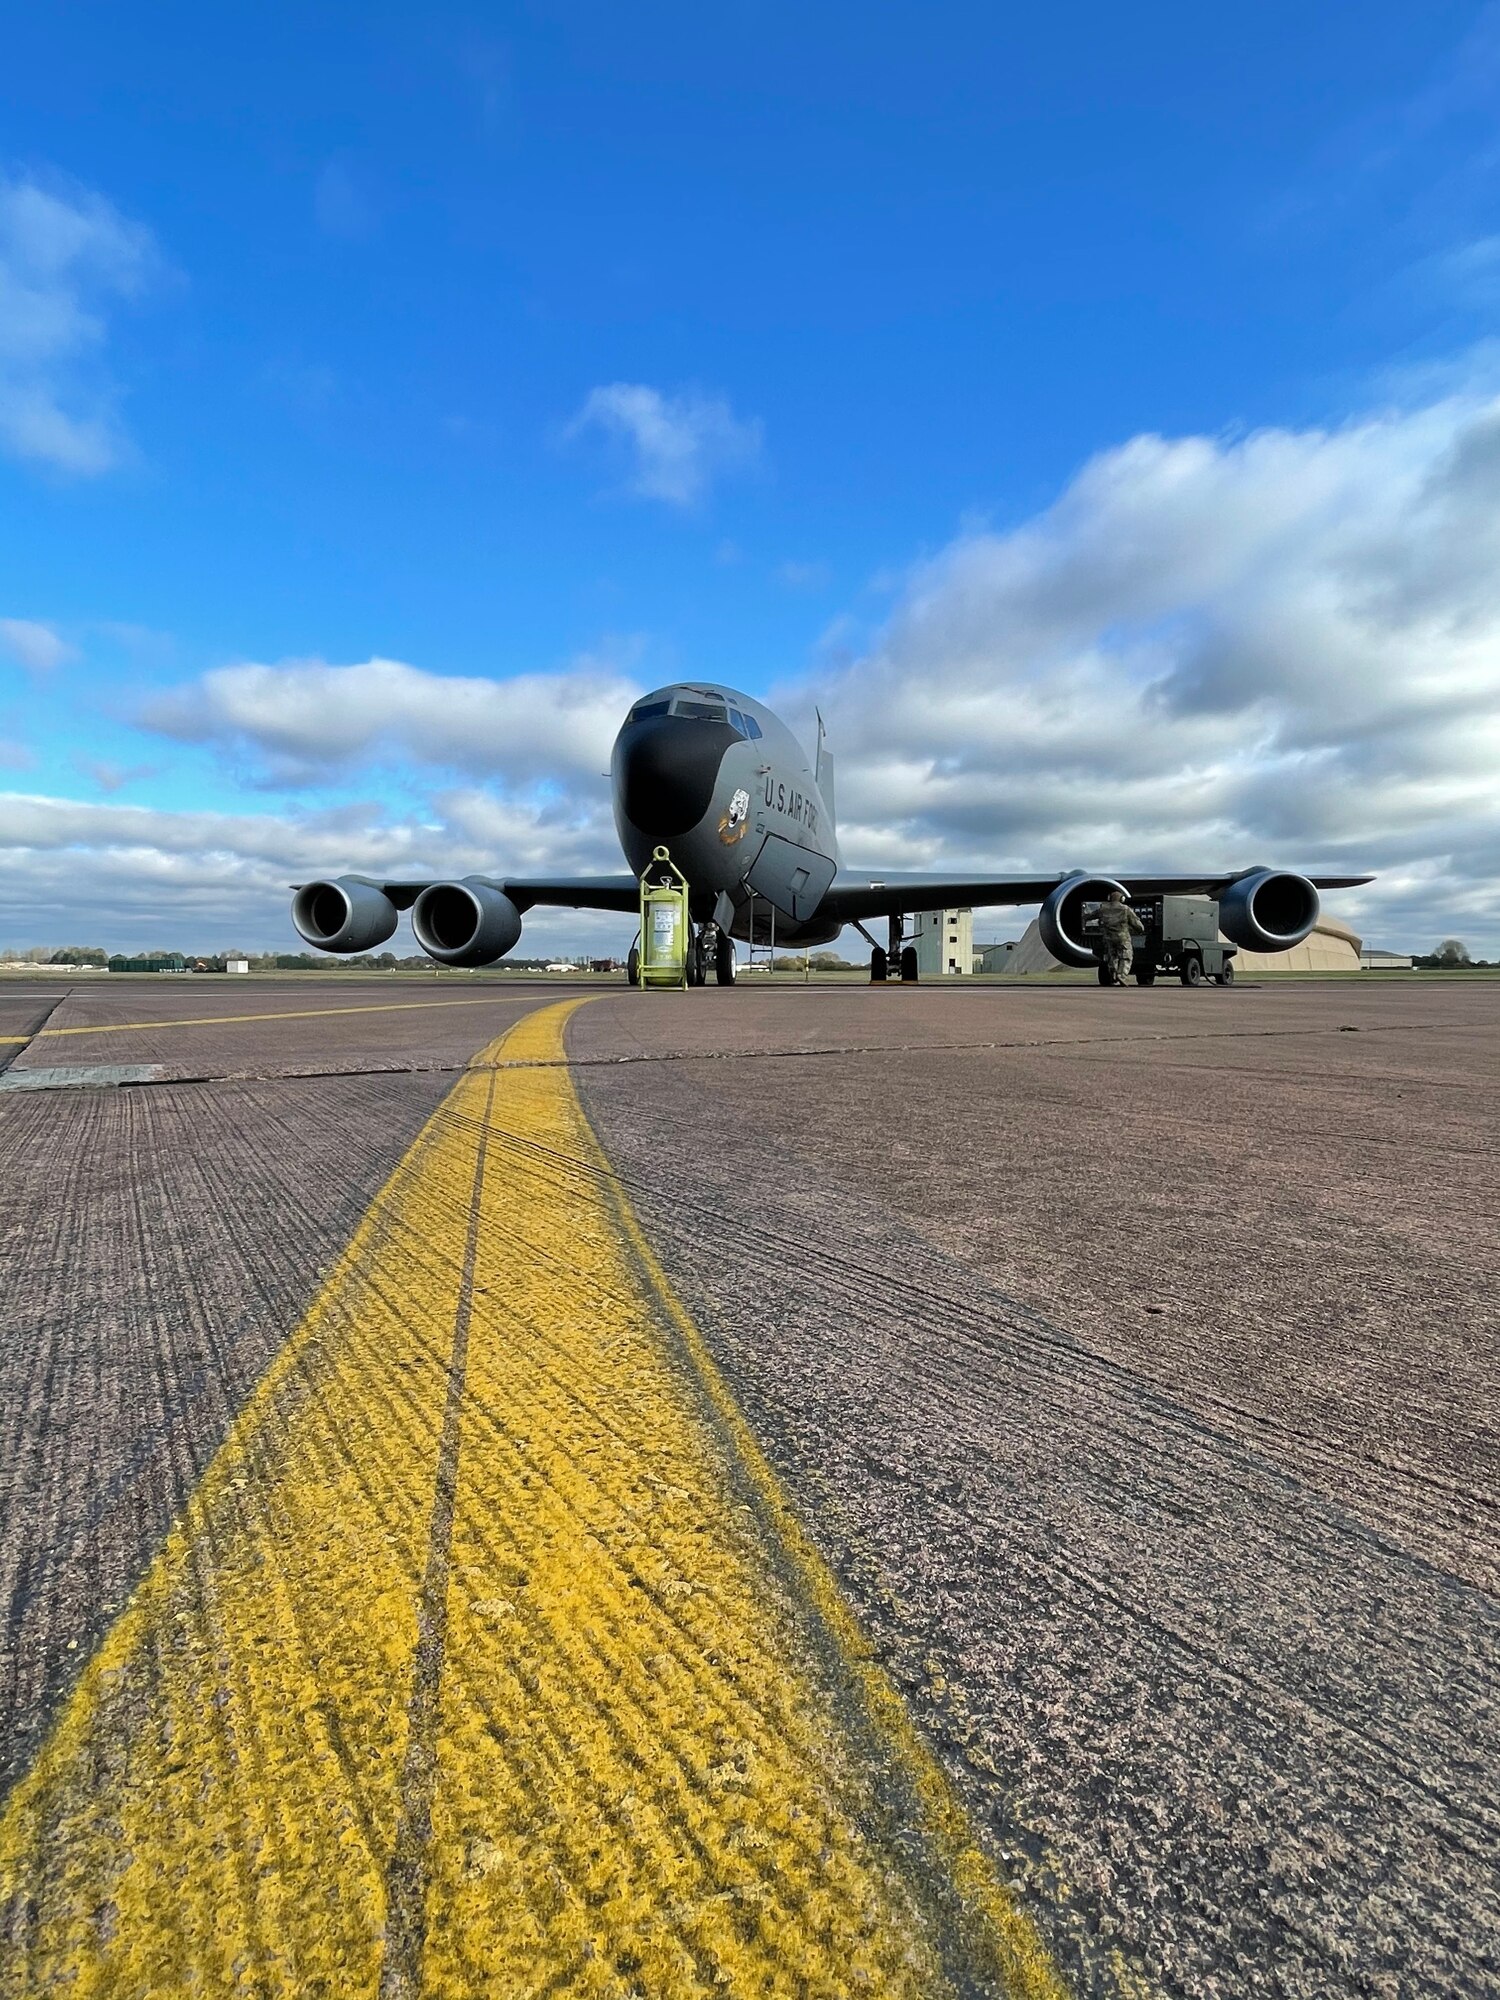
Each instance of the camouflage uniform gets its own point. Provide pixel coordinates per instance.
(1116, 923)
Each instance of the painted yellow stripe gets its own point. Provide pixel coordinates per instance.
(488, 1657)
(275, 1014)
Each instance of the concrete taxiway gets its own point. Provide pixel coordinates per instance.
(808, 1489)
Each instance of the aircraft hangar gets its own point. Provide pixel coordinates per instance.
(1330, 947)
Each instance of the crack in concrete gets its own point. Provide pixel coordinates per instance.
(147, 1075)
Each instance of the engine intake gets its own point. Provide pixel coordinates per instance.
(1268, 909)
(348, 914)
(465, 923)
(1061, 918)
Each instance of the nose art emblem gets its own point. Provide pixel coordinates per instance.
(732, 825)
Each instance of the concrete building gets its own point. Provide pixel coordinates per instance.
(236, 965)
(945, 943)
(1374, 960)
(1330, 947)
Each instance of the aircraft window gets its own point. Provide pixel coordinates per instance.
(699, 711)
(753, 726)
(644, 708)
(737, 721)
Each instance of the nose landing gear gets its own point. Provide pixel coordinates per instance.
(712, 950)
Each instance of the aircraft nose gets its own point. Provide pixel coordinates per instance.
(665, 769)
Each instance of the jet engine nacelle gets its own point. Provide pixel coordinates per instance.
(348, 914)
(1268, 909)
(465, 923)
(1061, 919)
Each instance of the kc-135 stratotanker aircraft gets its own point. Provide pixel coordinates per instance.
(721, 782)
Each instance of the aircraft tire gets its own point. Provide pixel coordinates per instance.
(879, 966)
(909, 964)
(724, 962)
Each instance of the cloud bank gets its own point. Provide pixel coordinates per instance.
(124, 875)
(1208, 652)
(303, 720)
(1284, 646)
(65, 255)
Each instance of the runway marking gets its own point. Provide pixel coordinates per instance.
(276, 1014)
(489, 1657)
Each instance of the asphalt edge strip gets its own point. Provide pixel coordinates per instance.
(19, 1044)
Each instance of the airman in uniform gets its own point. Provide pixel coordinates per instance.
(1117, 923)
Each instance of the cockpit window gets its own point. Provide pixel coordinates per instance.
(752, 726)
(644, 708)
(700, 711)
(737, 721)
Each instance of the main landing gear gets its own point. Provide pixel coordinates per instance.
(893, 953)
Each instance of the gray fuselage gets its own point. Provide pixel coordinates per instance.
(721, 782)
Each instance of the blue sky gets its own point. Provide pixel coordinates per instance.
(1090, 407)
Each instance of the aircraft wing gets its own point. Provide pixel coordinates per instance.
(851, 897)
(569, 892)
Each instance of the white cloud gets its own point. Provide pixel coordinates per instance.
(64, 253)
(34, 645)
(112, 777)
(804, 575)
(306, 718)
(675, 446)
(1207, 652)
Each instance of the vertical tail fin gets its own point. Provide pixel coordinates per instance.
(823, 774)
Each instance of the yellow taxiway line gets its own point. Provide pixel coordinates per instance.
(275, 1014)
(489, 1658)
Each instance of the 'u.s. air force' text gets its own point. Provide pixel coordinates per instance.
(796, 805)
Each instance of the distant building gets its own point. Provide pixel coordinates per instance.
(1384, 961)
(167, 961)
(236, 965)
(945, 943)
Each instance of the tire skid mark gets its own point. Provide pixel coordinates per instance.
(1385, 1687)
(406, 1875)
(833, 1276)
(479, 1645)
(94, 1464)
(1062, 1355)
